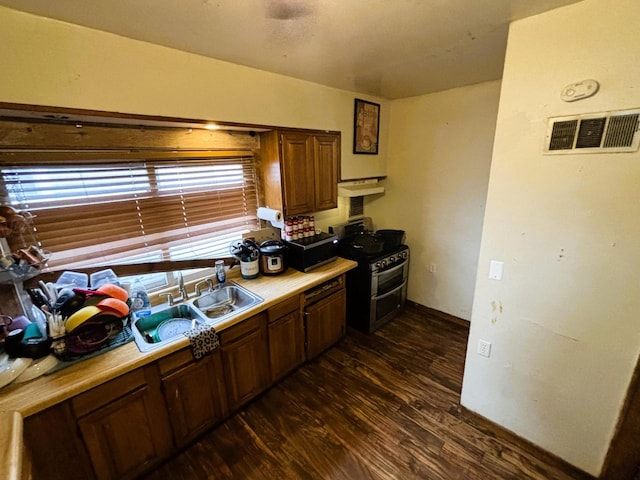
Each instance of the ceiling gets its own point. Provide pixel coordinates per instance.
(386, 48)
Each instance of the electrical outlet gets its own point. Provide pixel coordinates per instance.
(484, 348)
(495, 270)
(433, 268)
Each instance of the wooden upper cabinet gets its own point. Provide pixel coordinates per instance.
(300, 170)
(298, 173)
(327, 154)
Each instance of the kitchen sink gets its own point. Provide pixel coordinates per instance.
(225, 301)
(169, 323)
(165, 325)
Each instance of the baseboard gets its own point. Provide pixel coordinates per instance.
(441, 315)
(485, 424)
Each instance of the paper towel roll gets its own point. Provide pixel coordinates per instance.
(271, 215)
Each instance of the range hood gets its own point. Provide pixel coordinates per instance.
(359, 188)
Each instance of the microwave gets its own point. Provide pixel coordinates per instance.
(308, 253)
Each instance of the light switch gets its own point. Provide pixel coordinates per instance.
(495, 270)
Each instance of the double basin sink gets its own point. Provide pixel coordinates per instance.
(168, 323)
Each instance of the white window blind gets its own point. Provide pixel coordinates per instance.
(100, 210)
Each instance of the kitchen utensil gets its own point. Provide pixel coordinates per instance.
(81, 316)
(52, 291)
(113, 291)
(272, 257)
(45, 291)
(392, 238)
(5, 321)
(88, 338)
(246, 250)
(70, 304)
(249, 268)
(19, 322)
(11, 368)
(72, 280)
(12, 342)
(113, 305)
(369, 243)
(33, 343)
(37, 368)
(171, 328)
(103, 277)
(38, 297)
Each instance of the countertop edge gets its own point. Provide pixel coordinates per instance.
(28, 399)
(11, 453)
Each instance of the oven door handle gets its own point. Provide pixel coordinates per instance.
(390, 292)
(384, 272)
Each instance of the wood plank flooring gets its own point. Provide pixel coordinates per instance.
(381, 406)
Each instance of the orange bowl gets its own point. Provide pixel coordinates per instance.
(113, 291)
(114, 305)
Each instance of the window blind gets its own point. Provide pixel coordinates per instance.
(101, 210)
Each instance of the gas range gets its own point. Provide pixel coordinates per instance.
(358, 242)
(389, 259)
(377, 287)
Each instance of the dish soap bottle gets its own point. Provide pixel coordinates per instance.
(221, 275)
(139, 297)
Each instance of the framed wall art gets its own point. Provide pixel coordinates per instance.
(366, 123)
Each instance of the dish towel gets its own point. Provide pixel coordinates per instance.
(203, 340)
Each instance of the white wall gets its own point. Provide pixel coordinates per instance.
(47, 62)
(439, 157)
(563, 322)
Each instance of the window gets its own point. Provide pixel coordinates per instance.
(93, 209)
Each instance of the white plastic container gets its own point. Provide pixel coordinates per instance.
(102, 277)
(72, 280)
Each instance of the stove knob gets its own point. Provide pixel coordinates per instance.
(377, 265)
(383, 263)
(392, 259)
(404, 254)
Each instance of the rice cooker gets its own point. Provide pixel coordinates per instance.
(272, 257)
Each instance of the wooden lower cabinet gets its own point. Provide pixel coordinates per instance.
(286, 337)
(245, 358)
(125, 427)
(54, 446)
(124, 424)
(195, 393)
(325, 322)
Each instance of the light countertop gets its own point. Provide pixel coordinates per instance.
(22, 400)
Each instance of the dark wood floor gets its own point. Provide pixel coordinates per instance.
(382, 406)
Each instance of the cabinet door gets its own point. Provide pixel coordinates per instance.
(245, 359)
(325, 322)
(298, 173)
(327, 163)
(127, 432)
(195, 397)
(286, 344)
(56, 450)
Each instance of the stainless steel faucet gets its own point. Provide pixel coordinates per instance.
(181, 288)
(184, 296)
(208, 282)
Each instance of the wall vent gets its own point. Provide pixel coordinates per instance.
(356, 206)
(606, 132)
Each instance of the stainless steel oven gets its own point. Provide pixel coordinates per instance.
(377, 287)
(388, 289)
